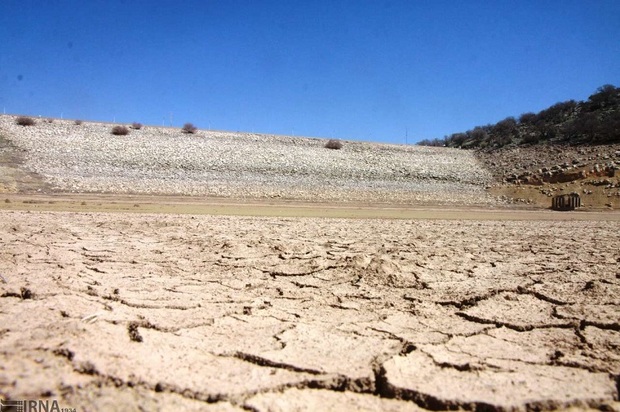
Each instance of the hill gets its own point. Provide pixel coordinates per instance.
(61, 156)
(591, 122)
(570, 147)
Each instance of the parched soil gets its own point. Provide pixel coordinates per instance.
(138, 311)
(298, 278)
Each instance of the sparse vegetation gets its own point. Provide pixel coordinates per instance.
(49, 120)
(78, 122)
(120, 131)
(136, 126)
(593, 121)
(25, 121)
(189, 128)
(333, 144)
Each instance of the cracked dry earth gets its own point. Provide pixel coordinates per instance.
(152, 312)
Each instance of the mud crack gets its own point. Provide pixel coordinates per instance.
(260, 361)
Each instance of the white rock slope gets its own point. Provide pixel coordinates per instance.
(156, 160)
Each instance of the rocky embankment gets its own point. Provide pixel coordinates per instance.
(551, 164)
(535, 173)
(155, 160)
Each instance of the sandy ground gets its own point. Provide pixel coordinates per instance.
(183, 205)
(199, 311)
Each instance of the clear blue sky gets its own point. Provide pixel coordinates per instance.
(367, 70)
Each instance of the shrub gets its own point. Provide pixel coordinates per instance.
(24, 121)
(78, 122)
(505, 127)
(528, 118)
(557, 112)
(189, 128)
(49, 120)
(457, 139)
(333, 144)
(436, 142)
(136, 125)
(605, 96)
(533, 138)
(120, 131)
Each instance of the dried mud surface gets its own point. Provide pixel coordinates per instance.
(110, 311)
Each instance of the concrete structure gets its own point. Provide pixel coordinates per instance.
(566, 202)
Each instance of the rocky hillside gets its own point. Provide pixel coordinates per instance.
(87, 157)
(534, 174)
(570, 147)
(592, 122)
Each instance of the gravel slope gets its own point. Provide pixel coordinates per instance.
(156, 160)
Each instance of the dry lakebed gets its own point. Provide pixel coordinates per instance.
(189, 279)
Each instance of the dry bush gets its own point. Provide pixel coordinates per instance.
(78, 122)
(49, 120)
(136, 126)
(120, 131)
(333, 144)
(189, 128)
(25, 121)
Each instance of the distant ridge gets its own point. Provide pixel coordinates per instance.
(591, 122)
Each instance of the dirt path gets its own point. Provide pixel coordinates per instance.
(238, 207)
(152, 311)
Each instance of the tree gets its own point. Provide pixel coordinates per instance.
(504, 130)
(605, 96)
(527, 118)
